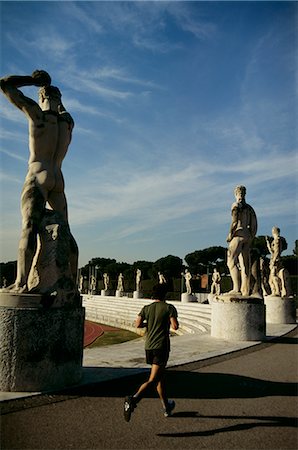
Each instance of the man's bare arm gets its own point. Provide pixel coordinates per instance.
(139, 322)
(174, 323)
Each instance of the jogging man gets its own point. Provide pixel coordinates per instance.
(157, 317)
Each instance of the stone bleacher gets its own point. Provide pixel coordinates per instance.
(121, 312)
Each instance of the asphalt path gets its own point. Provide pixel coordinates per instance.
(245, 400)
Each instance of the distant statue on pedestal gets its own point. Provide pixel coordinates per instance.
(161, 278)
(242, 232)
(187, 276)
(106, 281)
(50, 132)
(215, 286)
(81, 283)
(138, 279)
(279, 276)
(120, 287)
(92, 284)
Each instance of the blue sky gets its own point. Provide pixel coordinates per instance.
(175, 103)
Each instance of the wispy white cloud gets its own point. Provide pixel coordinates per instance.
(148, 200)
(192, 21)
(120, 74)
(13, 155)
(76, 106)
(83, 13)
(13, 135)
(9, 112)
(42, 42)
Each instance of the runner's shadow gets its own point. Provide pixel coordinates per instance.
(219, 385)
(257, 421)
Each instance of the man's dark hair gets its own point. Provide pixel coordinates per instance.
(159, 291)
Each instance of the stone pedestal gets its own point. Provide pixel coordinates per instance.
(188, 298)
(137, 294)
(104, 292)
(280, 309)
(238, 318)
(41, 348)
(119, 294)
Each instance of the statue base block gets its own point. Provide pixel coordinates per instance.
(119, 294)
(104, 292)
(41, 348)
(137, 294)
(188, 298)
(280, 309)
(238, 318)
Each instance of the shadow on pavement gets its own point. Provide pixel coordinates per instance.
(255, 421)
(192, 385)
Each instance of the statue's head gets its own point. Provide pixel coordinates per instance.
(275, 231)
(49, 93)
(240, 192)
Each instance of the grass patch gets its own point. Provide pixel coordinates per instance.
(113, 337)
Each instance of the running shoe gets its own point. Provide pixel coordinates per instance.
(168, 410)
(129, 406)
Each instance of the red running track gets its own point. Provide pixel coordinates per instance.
(92, 331)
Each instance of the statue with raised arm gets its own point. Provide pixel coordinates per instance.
(50, 133)
(278, 276)
(242, 231)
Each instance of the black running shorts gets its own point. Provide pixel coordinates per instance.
(157, 356)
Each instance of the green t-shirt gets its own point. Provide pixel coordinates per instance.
(157, 315)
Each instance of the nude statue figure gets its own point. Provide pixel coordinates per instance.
(187, 276)
(50, 132)
(279, 276)
(138, 279)
(215, 286)
(106, 280)
(242, 232)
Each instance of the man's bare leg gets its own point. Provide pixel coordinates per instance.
(161, 390)
(154, 377)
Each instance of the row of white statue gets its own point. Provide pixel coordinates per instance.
(120, 282)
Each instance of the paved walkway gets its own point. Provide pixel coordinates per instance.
(120, 360)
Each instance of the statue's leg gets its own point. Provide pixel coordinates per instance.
(244, 260)
(32, 208)
(232, 261)
(283, 276)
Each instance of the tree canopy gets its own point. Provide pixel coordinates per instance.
(199, 260)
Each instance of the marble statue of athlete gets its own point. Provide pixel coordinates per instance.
(50, 132)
